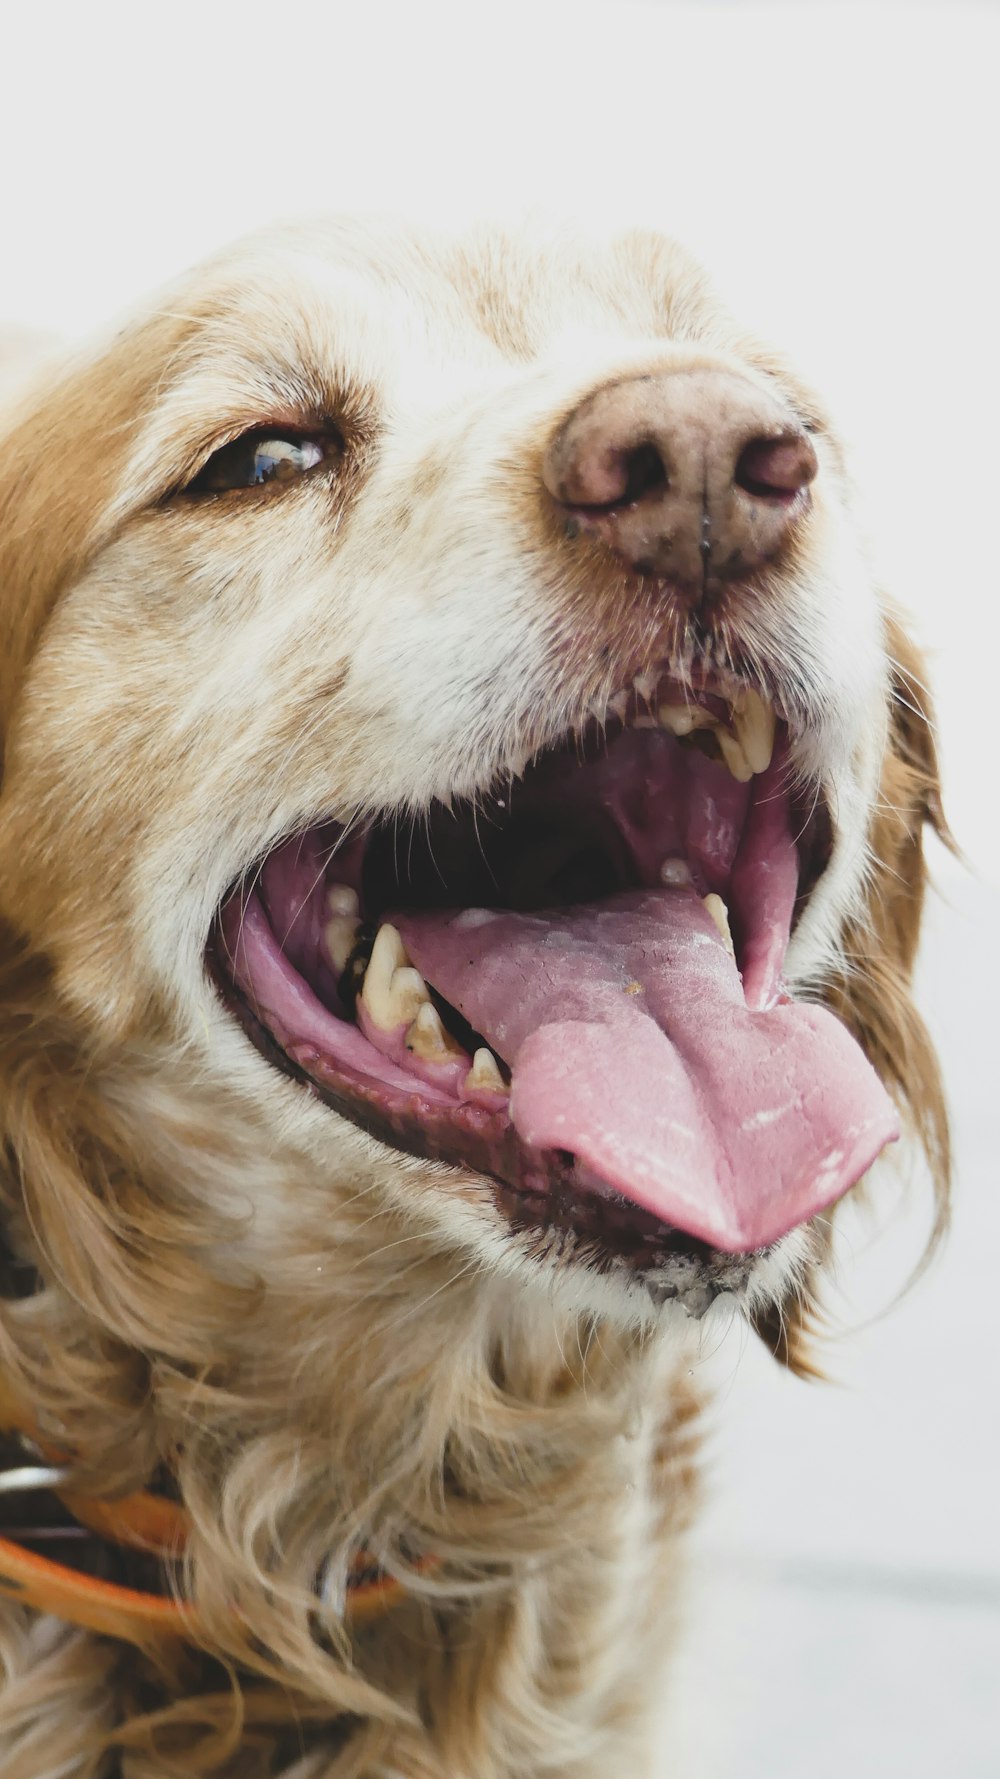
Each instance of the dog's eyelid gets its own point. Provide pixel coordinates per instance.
(267, 452)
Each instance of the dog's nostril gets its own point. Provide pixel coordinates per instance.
(776, 469)
(690, 476)
(645, 473)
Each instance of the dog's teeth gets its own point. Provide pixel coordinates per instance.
(618, 705)
(341, 929)
(753, 721)
(716, 907)
(484, 1075)
(388, 959)
(678, 718)
(408, 993)
(428, 1039)
(735, 758)
(342, 900)
(388, 953)
(675, 871)
(645, 685)
(340, 934)
(681, 719)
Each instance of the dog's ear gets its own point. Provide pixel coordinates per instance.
(66, 446)
(69, 481)
(871, 991)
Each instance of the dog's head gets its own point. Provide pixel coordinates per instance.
(452, 749)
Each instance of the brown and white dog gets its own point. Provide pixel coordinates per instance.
(460, 869)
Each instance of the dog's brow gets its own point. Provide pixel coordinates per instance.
(218, 396)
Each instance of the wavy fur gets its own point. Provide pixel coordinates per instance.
(338, 1353)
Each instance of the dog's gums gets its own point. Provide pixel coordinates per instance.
(574, 985)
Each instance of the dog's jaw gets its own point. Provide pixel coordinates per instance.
(323, 983)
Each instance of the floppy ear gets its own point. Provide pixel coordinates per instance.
(70, 1199)
(871, 991)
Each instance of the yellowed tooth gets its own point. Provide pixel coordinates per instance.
(716, 907)
(680, 719)
(754, 723)
(484, 1075)
(388, 953)
(341, 930)
(428, 1039)
(388, 956)
(408, 993)
(340, 934)
(732, 753)
(392, 994)
(342, 900)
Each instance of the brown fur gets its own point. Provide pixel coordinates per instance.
(871, 992)
(320, 1400)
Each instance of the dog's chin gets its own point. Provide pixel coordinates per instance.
(565, 1264)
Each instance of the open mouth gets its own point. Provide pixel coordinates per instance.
(574, 987)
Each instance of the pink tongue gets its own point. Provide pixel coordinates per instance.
(632, 1047)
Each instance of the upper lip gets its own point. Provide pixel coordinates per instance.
(703, 700)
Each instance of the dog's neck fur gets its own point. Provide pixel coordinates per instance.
(548, 1465)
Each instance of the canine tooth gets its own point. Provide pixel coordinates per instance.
(428, 1039)
(341, 899)
(484, 1075)
(388, 952)
(340, 934)
(388, 956)
(645, 685)
(732, 753)
(675, 871)
(754, 722)
(716, 907)
(618, 705)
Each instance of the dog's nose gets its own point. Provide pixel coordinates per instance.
(696, 475)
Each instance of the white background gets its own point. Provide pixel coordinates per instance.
(837, 168)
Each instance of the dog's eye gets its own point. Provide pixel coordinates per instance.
(258, 457)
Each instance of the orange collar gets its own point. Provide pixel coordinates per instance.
(143, 1522)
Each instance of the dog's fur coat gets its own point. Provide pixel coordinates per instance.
(332, 1345)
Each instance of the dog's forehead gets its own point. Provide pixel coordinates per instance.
(389, 296)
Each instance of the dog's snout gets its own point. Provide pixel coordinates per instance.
(696, 475)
